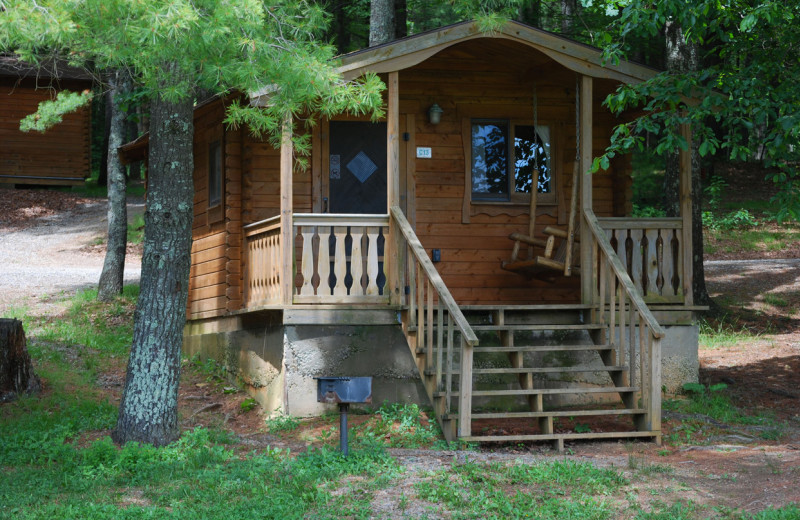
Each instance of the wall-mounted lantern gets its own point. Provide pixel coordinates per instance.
(435, 114)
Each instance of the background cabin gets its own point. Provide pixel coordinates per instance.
(62, 155)
(385, 257)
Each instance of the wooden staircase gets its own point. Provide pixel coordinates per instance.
(541, 373)
(525, 373)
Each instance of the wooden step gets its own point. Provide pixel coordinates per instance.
(532, 348)
(554, 413)
(527, 327)
(542, 348)
(537, 370)
(540, 307)
(559, 436)
(546, 391)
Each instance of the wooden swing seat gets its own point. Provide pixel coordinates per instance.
(552, 258)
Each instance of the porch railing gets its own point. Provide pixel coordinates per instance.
(621, 306)
(651, 251)
(434, 318)
(340, 258)
(262, 263)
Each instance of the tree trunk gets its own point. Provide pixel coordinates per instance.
(148, 412)
(102, 176)
(16, 369)
(400, 19)
(111, 278)
(381, 22)
(569, 11)
(682, 56)
(342, 31)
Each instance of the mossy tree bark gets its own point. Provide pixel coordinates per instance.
(112, 276)
(16, 369)
(149, 409)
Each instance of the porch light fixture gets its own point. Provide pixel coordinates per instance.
(435, 114)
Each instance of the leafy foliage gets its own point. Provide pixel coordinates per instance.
(747, 88)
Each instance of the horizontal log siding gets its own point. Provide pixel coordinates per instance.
(213, 247)
(59, 155)
(468, 85)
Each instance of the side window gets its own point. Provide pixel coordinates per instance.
(504, 156)
(214, 174)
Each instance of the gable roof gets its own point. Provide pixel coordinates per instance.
(407, 52)
(412, 50)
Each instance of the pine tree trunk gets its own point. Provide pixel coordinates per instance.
(102, 177)
(682, 56)
(112, 276)
(381, 22)
(149, 409)
(16, 369)
(400, 19)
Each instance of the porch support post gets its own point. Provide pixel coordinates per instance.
(394, 260)
(287, 242)
(685, 160)
(588, 271)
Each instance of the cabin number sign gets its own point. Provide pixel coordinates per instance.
(424, 152)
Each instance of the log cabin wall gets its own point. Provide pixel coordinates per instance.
(494, 79)
(60, 156)
(215, 276)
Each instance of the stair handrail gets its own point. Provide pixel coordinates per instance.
(433, 275)
(621, 274)
(469, 339)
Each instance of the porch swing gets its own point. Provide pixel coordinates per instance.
(551, 259)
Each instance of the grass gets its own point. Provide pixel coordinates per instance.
(723, 332)
(136, 230)
(57, 461)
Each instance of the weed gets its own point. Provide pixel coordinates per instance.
(723, 332)
(582, 428)
(775, 300)
(248, 404)
(282, 423)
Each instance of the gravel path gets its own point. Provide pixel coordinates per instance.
(52, 259)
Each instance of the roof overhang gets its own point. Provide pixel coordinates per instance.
(408, 52)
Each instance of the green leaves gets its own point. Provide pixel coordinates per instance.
(51, 112)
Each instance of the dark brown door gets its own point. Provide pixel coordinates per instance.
(357, 167)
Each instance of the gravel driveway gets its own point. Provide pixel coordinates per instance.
(57, 256)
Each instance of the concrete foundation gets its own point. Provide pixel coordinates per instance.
(277, 354)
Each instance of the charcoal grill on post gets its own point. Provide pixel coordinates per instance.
(343, 391)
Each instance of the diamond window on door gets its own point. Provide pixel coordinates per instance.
(362, 167)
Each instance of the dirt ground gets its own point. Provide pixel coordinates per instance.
(720, 466)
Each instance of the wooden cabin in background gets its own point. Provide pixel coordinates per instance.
(62, 155)
(385, 258)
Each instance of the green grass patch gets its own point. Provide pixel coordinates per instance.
(557, 489)
(724, 332)
(136, 230)
(713, 401)
(105, 327)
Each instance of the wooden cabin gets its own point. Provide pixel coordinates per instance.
(404, 224)
(62, 155)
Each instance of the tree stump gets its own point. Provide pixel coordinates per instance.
(16, 369)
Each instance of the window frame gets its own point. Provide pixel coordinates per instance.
(512, 197)
(215, 208)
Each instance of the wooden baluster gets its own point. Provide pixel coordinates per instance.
(637, 256)
(644, 250)
(324, 261)
(372, 261)
(429, 323)
(420, 311)
(340, 261)
(677, 264)
(655, 374)
(632, 343)
(622, 344)
(659, 264)
(356, 261)
(448, 384)
(307, 259)
(412, 290)
(650, 262)
(601, 297)
(465, 390)
(439, 343)
(644, 365)
(382, 268)
(629, 256)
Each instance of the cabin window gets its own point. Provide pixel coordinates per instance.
(504, 155)
(214, 174)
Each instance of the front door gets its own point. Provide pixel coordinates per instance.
(357, 167)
